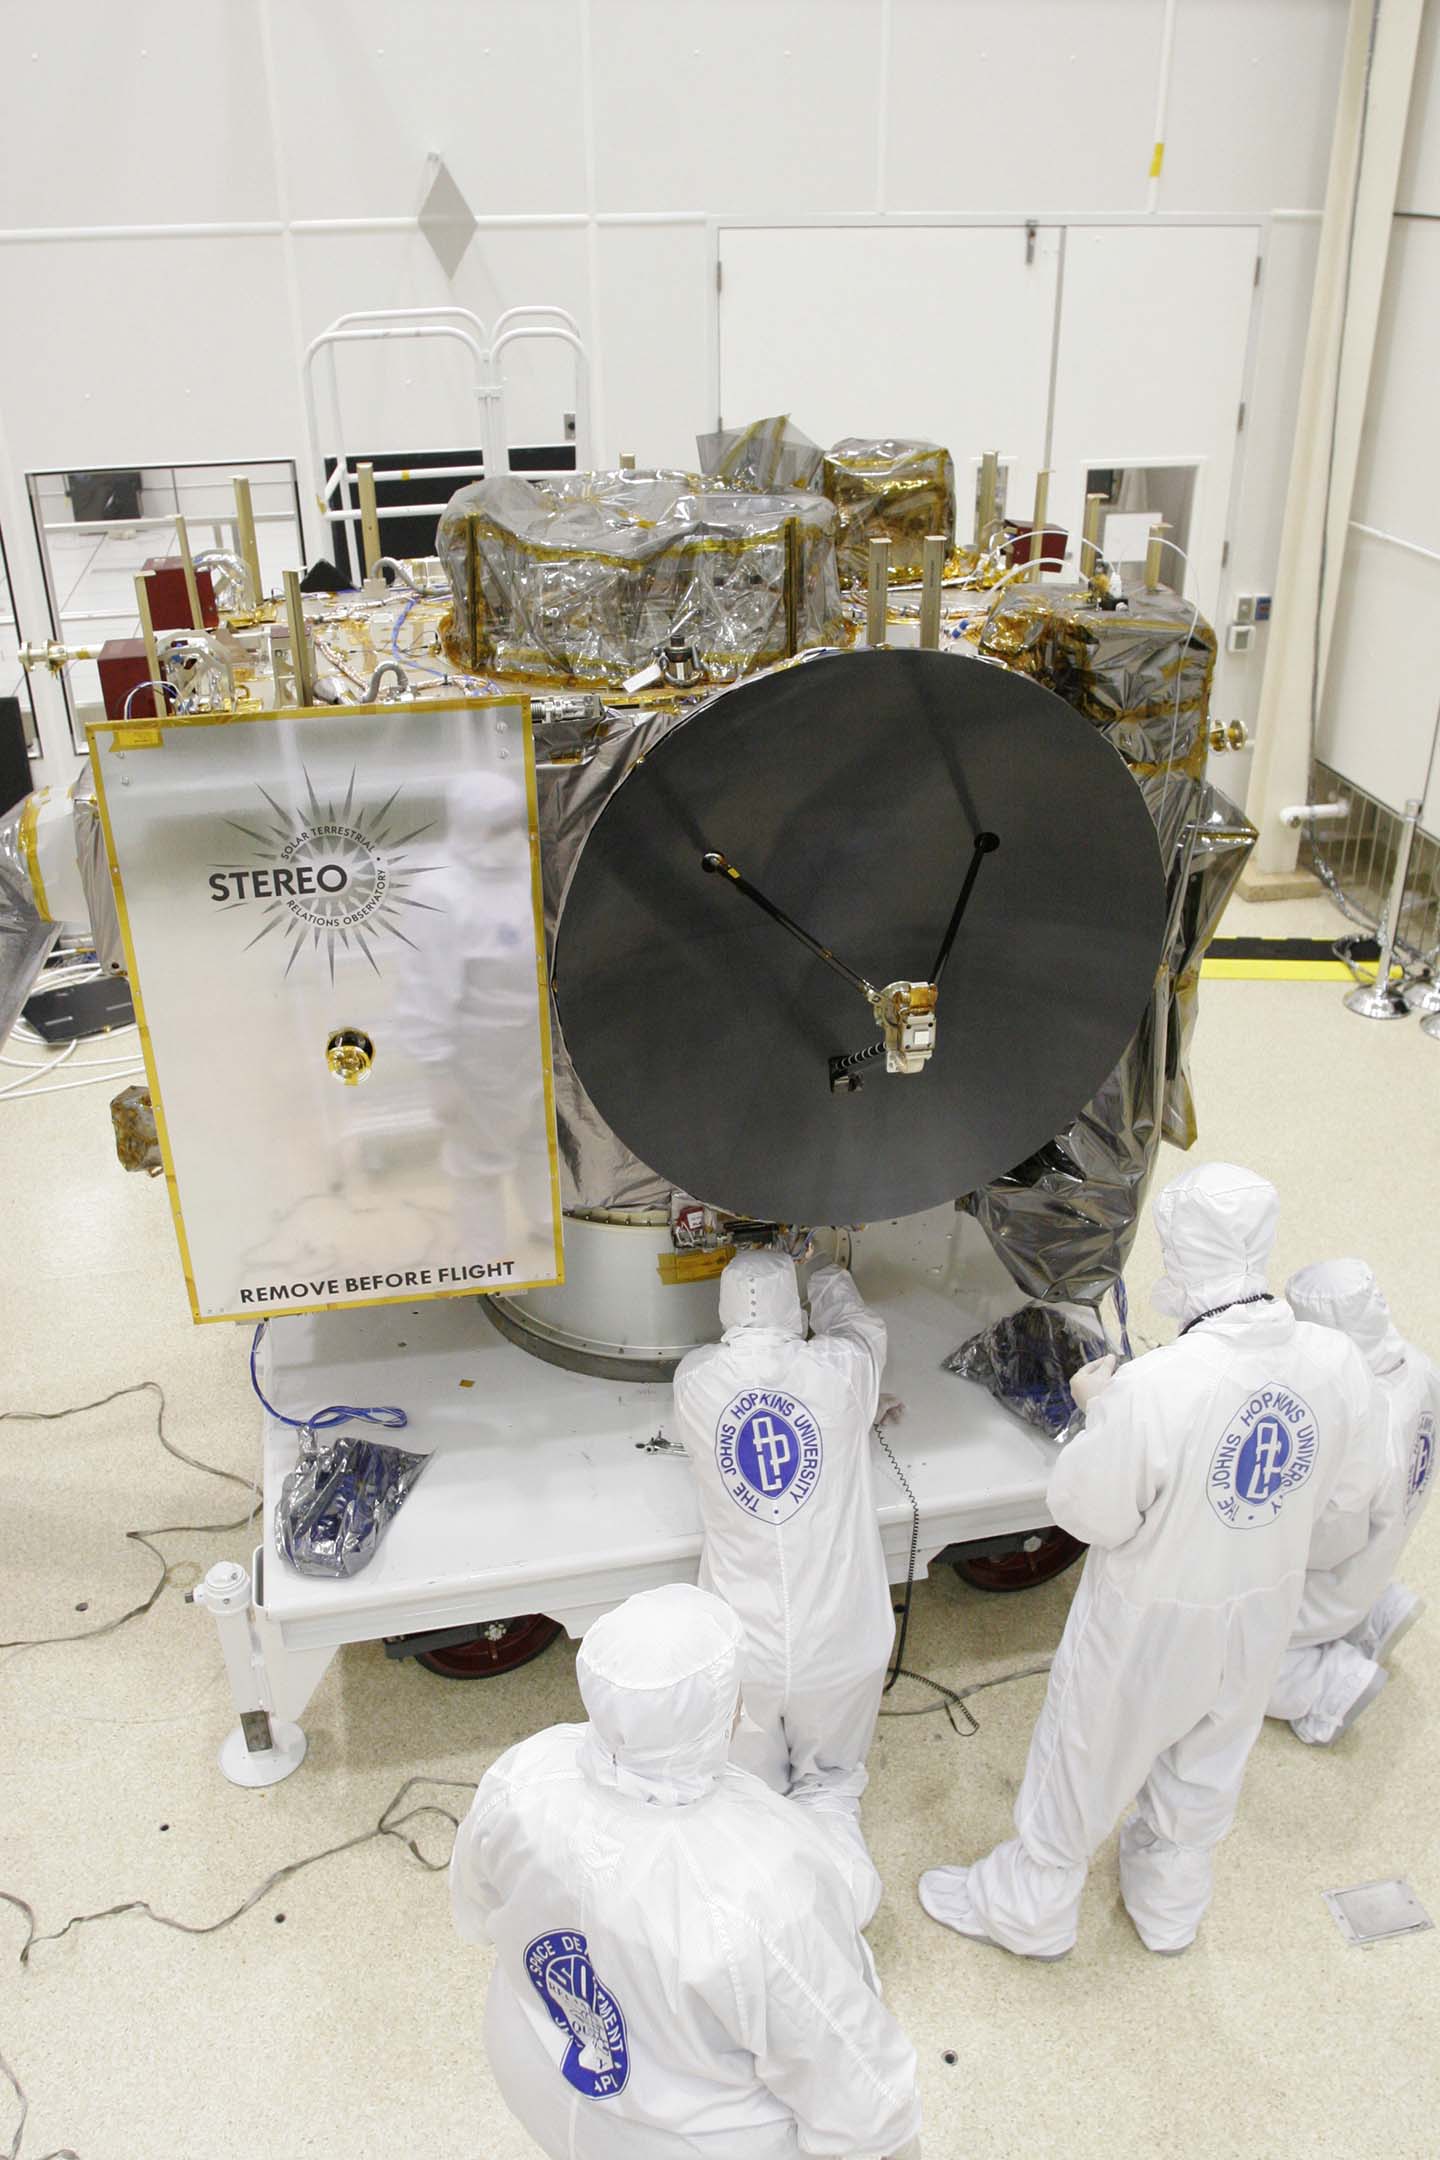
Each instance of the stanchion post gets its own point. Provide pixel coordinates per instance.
(1377, 1001)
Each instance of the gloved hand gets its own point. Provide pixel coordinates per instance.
(890, 1410)
(1093, 1379)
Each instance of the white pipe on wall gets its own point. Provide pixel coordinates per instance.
(1162, 106)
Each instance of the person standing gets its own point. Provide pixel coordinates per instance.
(777, 1427)
(1197, 1481)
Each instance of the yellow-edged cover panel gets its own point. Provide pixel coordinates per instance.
(333, 927)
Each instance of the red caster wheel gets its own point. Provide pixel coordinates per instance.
(499, 1646)
(1043, 1555)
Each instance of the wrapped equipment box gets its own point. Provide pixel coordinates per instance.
(889, 490)
(573, 582)
(763, 456)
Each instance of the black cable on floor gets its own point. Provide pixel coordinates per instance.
(390, 1825)
(12, 2150)
(136, 1537)
(951, 1699)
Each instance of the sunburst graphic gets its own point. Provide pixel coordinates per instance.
(332, 873)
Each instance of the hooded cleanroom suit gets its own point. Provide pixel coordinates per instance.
(1352, 1612)
(778, 1431)
(1196, 1482)
(678, 1971)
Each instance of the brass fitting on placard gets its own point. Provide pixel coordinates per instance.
(1232, 737)
(350, 1053)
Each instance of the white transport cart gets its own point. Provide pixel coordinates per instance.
(554, 1492)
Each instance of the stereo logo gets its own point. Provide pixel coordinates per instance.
(328, 872)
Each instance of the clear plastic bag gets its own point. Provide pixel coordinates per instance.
(340, 1499)
(1026, 1362)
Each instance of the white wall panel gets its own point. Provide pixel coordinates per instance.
(1153, 333)
(1266, 446)
(1022, 106)
(1383, 685)
(1398, 483)
(654, 340)
(938, 331)
(760, 107)
(1253, 85)
(153, 351)
(367, 89)
(133, 115)
(1419, 185)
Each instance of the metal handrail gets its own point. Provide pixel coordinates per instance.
(334, 496)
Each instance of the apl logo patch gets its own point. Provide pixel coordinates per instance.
(328, 873)
(769, 1452)
(1268, 1449)
(597, 2061)
(1422, 1463)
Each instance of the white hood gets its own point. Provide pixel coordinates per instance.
(1217, 1227)
(1344, 1294)
(660, 1678)
(760, 1290)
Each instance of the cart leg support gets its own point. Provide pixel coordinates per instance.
(270, 1685)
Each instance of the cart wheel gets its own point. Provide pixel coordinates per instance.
(501, 1646)
(1055, 1551)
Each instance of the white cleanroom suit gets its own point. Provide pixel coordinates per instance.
(678, 1973)
(466, 1010)
(778, 1431)
(1352, 1612)
(1197, 1480)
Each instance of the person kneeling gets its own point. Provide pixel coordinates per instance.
(1353, 1613)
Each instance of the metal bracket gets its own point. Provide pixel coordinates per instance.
(255, 1725)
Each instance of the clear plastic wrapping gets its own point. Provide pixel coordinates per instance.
(17, 848)
(1140, 673)
(340, 1499)
(764, 455)
(1063, 1222)
(99, 886)
(573, 583)
(577, 769)
(1027, 1361)
(888, 489)
(24, 943)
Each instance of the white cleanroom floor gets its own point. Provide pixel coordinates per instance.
(341, 2015)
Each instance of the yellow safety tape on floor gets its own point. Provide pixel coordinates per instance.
(1282, 971)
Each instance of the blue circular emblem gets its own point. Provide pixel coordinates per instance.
(769, 1452)
(1422, 1463)
(1265, 1452)
(597, 2060)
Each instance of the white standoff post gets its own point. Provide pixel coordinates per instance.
(262, 1749)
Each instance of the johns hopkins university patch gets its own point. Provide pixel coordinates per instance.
(1267, 1449)
(597, 2060)
(769, 1452)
